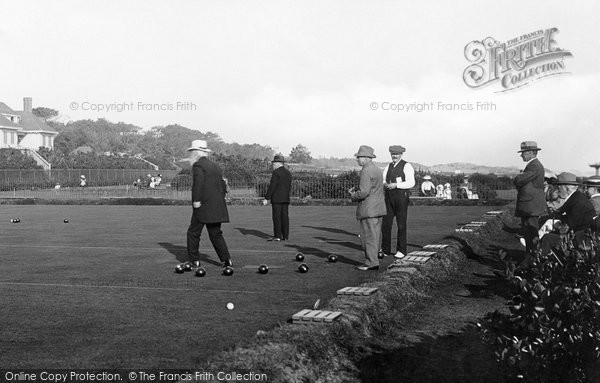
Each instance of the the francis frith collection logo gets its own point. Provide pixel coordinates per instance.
(515, 63)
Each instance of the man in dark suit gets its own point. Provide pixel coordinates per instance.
(279, 191)
(208, 202)
(577, 211)
(531, 200)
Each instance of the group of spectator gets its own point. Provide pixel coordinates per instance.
(150, 182)
(464, 191)
(550, 206)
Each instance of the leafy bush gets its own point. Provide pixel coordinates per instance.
(14, 159)
(552, 333)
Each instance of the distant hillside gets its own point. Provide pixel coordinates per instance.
(468, 168)
(337, 165)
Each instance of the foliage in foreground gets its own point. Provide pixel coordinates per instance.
(552, 333)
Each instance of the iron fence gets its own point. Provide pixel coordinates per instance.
(115, 183)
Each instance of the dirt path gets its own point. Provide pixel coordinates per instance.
(439, 341)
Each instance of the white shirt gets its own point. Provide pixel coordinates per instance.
(409, 175)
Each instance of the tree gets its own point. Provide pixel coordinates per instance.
(44, 113)
(300, 154)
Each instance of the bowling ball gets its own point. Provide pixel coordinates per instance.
(332, 258)
(303, 268)
(299, 257)
(187, 266)
(263, 269)
(66, 221)
(179, 269)
(200, 272)
(228, 271)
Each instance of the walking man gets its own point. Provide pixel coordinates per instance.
(279, 193)
(399, 178)
(371, 206)
(531, 200)
(208, 202)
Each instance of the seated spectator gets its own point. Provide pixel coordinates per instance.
(82, 181)
(439, 191)
(427, 187)
(157, 180)
(592, 185)
(447, 191)
(577, 212)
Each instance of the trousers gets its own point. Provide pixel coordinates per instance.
(214, 234)
(396, 203)
(370, 237)
(281, 220)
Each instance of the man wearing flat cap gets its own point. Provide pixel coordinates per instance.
(279, 193)
(208, 202)
(398, 179)
(371, 206)
(577, 211)
(531, 199)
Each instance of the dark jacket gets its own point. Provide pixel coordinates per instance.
(209, 188)
(370, 197)
(531, 200)
(577, 211)
(280, 186)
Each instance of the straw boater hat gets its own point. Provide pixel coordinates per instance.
(592, 181)
(397, 149)
(427, 177)
(365, 151)
(200, 145)
(278, 158)
(566, 178)
(529, 145)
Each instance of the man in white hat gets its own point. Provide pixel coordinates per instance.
(208, 203)
(371, 206)
(427, 187)
(531, 200)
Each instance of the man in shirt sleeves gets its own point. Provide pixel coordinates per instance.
(398, 179)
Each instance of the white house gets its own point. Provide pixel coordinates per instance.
(23, 130)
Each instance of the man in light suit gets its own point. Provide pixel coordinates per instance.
(371, 206)
(208, 202)
(531, 200)
(279, 191)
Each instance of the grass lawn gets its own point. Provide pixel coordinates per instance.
(100, 291)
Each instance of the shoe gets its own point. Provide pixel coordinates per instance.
(274, 239)
(399, 255)
(195, 264)
(228, 263)
(522, 240)
(365, 267)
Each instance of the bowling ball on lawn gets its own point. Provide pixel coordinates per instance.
(299, 257)
(228, 271)
(200, 272)
(303, 268)
(263, 269)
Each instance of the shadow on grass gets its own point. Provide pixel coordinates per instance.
(331, 230)
(324, 254)
(457, 357)
(180, 253)
(256, 233)
(354, 246)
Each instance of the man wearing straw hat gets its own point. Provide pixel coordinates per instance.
(371, 206)
(577, 211)
(279, 193)
(531, 200)
(208, 202)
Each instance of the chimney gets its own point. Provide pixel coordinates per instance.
(27, 104)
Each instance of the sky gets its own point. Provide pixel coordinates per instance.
(330, 75)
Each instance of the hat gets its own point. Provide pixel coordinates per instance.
(592, 181)
(278, 158)
(447, 185)
(427, 177)
(199, 145)
(82, 176)
(528, 145)
(365, 151)
(566, 178)
(397, 149)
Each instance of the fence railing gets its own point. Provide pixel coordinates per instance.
(115, 183)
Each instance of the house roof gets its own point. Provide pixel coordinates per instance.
(29, 122)
(5, 109)
(7, 123)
